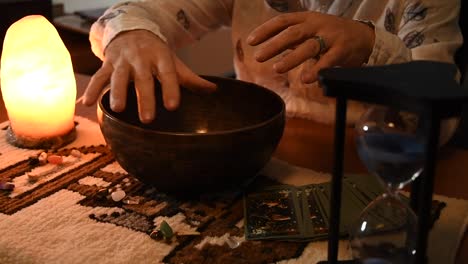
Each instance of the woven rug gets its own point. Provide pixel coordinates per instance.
(67, 214)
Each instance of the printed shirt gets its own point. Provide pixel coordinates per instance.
(404, 30)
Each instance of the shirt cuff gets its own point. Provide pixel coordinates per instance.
(116, 26)
(388, 49)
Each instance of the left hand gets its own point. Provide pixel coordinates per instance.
(348, 43)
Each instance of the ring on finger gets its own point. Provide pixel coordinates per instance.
(322, 44)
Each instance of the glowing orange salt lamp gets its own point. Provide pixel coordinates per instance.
(38, 85)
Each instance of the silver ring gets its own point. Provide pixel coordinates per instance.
(322, 44)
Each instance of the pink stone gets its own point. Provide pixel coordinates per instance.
(55, 159)
(7, 186)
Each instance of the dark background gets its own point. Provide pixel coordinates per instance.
(12, 10)
(83, 59)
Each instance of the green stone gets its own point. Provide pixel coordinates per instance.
(166, 230)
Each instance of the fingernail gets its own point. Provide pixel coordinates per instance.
(250, 39)
(116, 105)
(258, 57)
(84, 100)
(146, 118)
(171, 104)
(211, 86)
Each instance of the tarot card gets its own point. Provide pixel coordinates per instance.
(367, 189)
(272, 213)
(364, 191)
(314, 217)
(352, 206)
(322, 196)
(368, 185)
(362, 196)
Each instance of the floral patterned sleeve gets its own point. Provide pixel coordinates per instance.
(176, 22)
(419, 30)
(422, 30)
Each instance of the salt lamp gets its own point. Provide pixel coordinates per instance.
(38, 85)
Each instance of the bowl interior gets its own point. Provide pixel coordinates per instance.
(235, 105)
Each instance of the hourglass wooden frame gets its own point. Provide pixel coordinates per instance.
(426, 88)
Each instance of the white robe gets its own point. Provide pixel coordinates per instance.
(404, 30)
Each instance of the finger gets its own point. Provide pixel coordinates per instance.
(330, 59)
(98, 81)
(286, 39)
(144, 85)
(167, 76)
(307, 50)
(190, 80)
(119, 88)
(272, 27)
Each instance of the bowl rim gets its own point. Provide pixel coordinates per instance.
(229, 131)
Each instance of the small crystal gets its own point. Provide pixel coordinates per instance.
(7, 186)
(118, 195)
(232, 242)
(154, 234)
(194, 222)
(166, 230)
(42, 158)
(75, 153)
(132, 200)
(33, 177)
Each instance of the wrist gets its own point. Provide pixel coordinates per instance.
(369, 33)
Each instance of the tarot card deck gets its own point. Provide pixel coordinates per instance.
(287, 212)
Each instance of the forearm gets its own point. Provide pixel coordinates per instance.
(176, 22)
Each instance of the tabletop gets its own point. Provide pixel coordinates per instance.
(310, 145)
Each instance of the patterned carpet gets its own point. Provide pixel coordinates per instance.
(67, 214)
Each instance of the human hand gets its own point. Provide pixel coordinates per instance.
(345, 42)
(142, 56)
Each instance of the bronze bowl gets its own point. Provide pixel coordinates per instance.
(212, 141)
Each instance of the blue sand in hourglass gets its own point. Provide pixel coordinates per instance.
(395, 158)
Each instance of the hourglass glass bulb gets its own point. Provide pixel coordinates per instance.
(390, 146)
(385, 232)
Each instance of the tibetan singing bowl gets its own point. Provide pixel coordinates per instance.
(212, 141)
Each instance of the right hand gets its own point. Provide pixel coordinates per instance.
(347, 43)
(141, 55)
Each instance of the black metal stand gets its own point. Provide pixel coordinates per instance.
(414, 195)
(335, 199)
(423, 87)
(426, 187)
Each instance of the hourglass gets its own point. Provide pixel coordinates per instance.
(391, 144)
(429, 90)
